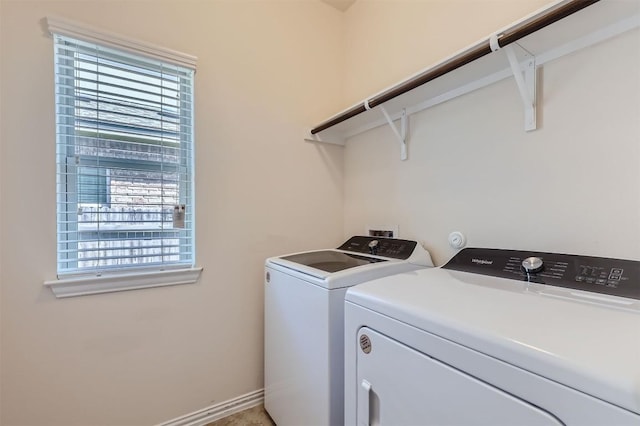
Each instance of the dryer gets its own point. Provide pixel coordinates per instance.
(496, 337)
(304, 323)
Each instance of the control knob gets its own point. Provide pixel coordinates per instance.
(373, 247)
(533, 264)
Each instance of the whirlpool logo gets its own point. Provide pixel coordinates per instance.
(482, 261)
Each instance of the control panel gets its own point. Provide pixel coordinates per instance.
(616, 277)
(378, 246)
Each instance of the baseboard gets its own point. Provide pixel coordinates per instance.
(219, 411)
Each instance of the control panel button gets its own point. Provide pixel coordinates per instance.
(615, 274)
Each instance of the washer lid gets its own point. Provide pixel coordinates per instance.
(330, 260)
(317, 267)
(359, 259)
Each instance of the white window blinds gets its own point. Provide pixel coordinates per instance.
(124, 159)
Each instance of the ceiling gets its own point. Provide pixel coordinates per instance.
(341, 5)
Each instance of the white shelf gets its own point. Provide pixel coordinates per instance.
(593, 24)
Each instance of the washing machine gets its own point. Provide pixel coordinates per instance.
(496, 337)
(304, 323)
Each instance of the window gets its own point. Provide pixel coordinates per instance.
(124, 136)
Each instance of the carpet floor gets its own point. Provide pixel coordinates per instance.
(255, 416)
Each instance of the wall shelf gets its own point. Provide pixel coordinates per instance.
(578, 24)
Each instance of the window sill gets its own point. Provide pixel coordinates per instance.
(81, 286)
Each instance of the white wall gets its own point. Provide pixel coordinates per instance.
(571, 186)
(147, 356)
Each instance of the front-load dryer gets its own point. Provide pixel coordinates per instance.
(496, 337)
(304, 323)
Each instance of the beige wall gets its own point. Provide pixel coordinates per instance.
(266, 70)
(1, 204)
(571, 186)
(386, 41)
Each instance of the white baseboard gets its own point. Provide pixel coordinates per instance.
(219, 411)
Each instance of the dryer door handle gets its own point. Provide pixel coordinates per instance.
(364, 399)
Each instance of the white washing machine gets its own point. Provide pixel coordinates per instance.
(496, 337)
(304, 323)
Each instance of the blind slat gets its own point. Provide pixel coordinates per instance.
(68, 93)
(133, 240)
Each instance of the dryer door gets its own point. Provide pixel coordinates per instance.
(398, 385)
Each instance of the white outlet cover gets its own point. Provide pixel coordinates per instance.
(457, 240)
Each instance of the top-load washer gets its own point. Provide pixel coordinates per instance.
(496, 337)
(304, 323)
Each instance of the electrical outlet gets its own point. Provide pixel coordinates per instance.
(385, 231)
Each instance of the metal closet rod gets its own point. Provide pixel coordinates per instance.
(471, 55)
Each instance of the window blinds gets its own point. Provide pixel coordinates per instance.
(124, 159)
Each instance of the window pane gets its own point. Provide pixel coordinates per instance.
(124, 159)
(92, 185)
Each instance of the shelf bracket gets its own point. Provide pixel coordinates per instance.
(525, 76)
(401, 134)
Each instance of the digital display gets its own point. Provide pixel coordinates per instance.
(592, 271)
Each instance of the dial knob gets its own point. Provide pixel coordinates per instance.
(531, 265)
(373, 246)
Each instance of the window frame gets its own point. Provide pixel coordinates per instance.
(112, 279)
